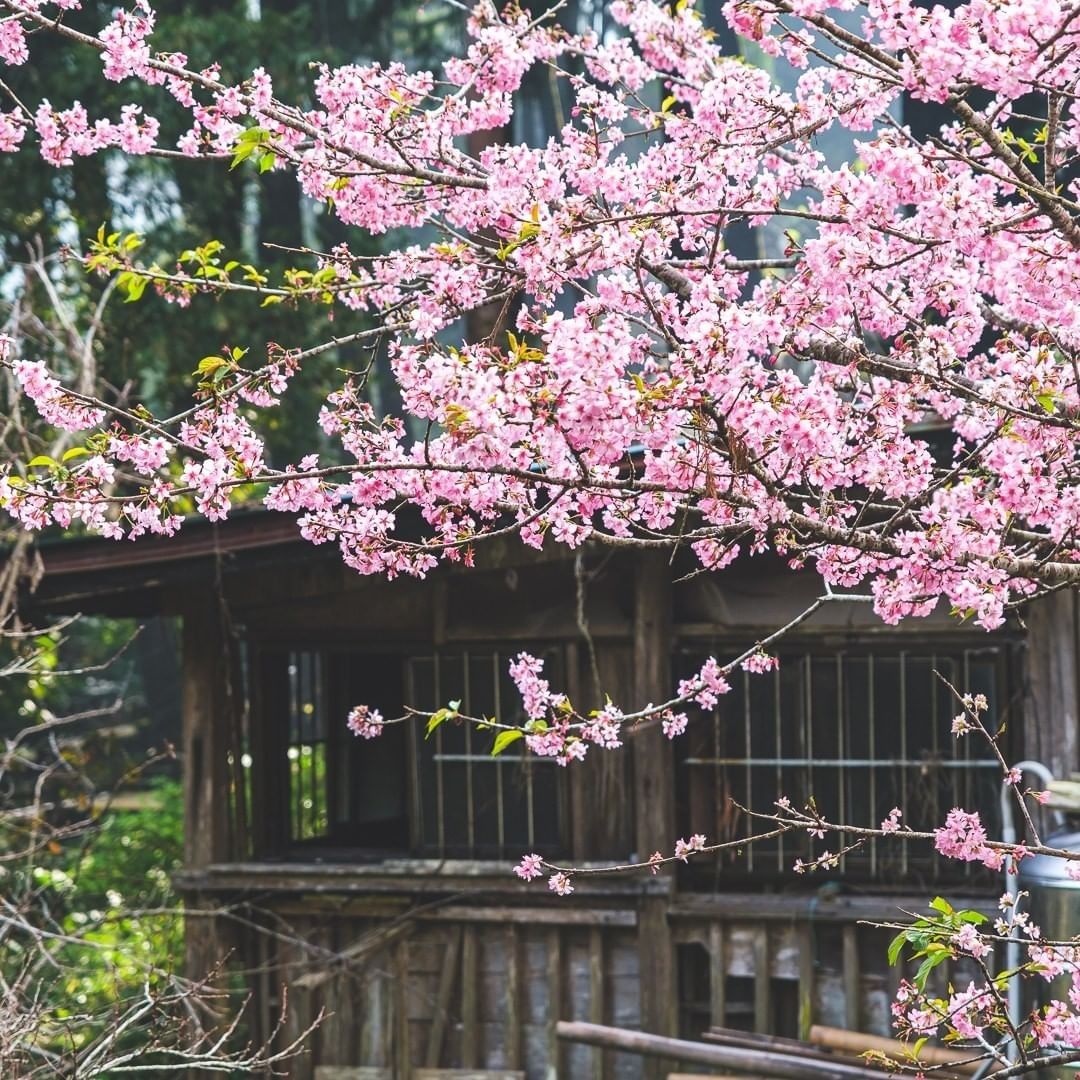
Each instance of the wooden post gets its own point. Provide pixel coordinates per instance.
(1052, 683)
(654, 803)
(205, 740)
(654, 809)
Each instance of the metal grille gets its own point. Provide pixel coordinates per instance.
(466, 802)
(306, 749)
(859, 732)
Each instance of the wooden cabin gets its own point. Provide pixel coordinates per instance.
(371, 880)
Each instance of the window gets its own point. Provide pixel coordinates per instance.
(467, 802)
(401, 792)
(860, 732)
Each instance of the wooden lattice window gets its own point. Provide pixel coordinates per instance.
(860, 731)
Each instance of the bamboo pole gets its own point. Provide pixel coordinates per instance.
(781, 1066)
(858, 1042)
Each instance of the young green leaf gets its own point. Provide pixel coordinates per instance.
(505, 739)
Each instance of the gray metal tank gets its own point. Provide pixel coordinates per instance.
(1055, 908)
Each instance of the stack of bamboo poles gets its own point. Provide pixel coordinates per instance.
(772, 1058)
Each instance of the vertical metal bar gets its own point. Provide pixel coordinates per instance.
(293, 744)
(440, 793)
(841, 771)
(500, 810)
(749, 768)
(317, 719)
(968, 793)
(470, 815)
(808, 720)
(417, 838)
(872, 720)
(719, 786)
(903, 752)
(779, 754)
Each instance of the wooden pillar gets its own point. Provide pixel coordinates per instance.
(1051, 685)
(206, 727)
(654, 802)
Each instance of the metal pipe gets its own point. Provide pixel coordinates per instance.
(1008, 836)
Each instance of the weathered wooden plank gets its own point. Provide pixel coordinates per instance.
(514, 1015)
(762, 978)
(659, 1003)
(298, 1013)
(469, 973)
(852, 989)
(717, 976)
(555, 998)
(596, 993)
(402, 1033)
(805, 939)
(447, 978)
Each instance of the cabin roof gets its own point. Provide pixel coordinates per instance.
(101, 576)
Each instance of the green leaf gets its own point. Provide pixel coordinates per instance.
(435, 720)
(74, 452)
(505, 739)
(939, 903)
(895, 946)
(917, 1048)
(135, 286)
(925, 968)
(209, 364)
(42, 461)
(272, 300)
(266, 162)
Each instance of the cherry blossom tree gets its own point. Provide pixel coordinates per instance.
(638, 383)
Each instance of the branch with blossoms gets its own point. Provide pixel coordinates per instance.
(979, 1018)
(823, 470)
